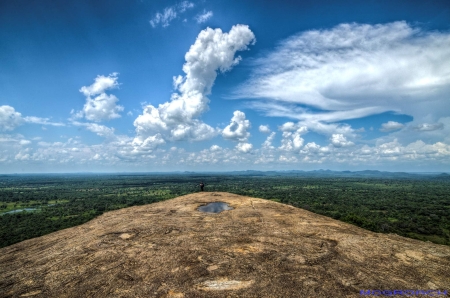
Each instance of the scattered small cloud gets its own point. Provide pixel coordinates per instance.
(268, 142)
(339, 140)
(24, 142)
(288, 126)
(238, 128)
(215, 148)
(9, 118)
(42, 121)
(244, 147)
(264, 128)
(100, 130)
(429, 127)
(183, 6)
(204, 16)
(169, 14)
(391, 126)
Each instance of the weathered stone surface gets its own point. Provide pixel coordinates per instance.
(258, 249)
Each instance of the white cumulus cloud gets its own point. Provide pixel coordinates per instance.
(264, 128)
(215, 148)
(292, 136)
(339, 140)
(9, 118)
(268, 142)
(288, 126)
(99, 105)
(238, 128)
(142, 144)
(213, 52)
(291, 141)
(244, 147)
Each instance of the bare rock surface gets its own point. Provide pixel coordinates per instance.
(259, 249)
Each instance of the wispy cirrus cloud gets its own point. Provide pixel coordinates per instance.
(204, 16)
(352, 71)
(170, 13)
(429, 126)
(10, 119)
(100, 130)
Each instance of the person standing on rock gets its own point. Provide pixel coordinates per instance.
(202, 185)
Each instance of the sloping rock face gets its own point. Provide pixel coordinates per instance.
(258, 249)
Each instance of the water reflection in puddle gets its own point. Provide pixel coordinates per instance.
(215, 207)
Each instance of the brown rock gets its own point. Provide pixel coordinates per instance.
(259, 249)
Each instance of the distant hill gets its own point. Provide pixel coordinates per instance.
(295, 173)
(259, 249)
(329, 173)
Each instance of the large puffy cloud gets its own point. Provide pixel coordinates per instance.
(99, 105)
(352, 71)
(213, 52)
(102, 107)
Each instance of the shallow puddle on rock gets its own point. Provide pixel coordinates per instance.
(215, 207)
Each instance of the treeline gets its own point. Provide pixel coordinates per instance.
(411, 208)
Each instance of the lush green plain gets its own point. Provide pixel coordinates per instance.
(416, 208)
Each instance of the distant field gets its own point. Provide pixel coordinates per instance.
(417, 208)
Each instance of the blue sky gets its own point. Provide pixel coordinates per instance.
(111, 86)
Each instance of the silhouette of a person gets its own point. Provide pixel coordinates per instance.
(202, 185)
